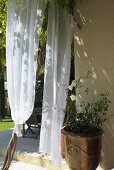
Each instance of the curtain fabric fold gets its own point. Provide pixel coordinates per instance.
(57, 73)
(24, 20)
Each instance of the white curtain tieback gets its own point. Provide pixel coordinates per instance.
(17, 130)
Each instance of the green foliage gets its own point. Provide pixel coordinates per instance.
(6, 123)
(67, 4)
(2, 95)
(39, 88)
(3, 5)
(3, 8)
(85, 117)
(43, 33)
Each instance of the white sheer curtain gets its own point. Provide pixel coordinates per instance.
(24, 20)
(57, 71)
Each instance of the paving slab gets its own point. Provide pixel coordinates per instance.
(21, 166)
(29, 145)
(24, 166)
(1, 161)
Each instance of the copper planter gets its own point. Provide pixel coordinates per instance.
(82, 152)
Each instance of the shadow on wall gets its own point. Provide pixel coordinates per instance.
(108, 146)
(94, 52)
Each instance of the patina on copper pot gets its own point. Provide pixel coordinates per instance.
(82, 152)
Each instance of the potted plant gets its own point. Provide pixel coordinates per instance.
(83, 125)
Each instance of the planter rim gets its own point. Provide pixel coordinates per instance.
(65, 132)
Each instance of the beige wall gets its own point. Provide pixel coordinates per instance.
(94, 51)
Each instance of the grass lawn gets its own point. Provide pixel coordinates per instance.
(6, 123)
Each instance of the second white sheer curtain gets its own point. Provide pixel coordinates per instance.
(57, 73)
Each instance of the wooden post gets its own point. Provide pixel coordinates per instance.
(10, 152)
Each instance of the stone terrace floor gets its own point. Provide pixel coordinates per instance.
(26, 156)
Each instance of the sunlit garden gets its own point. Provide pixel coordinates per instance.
(6, 123)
